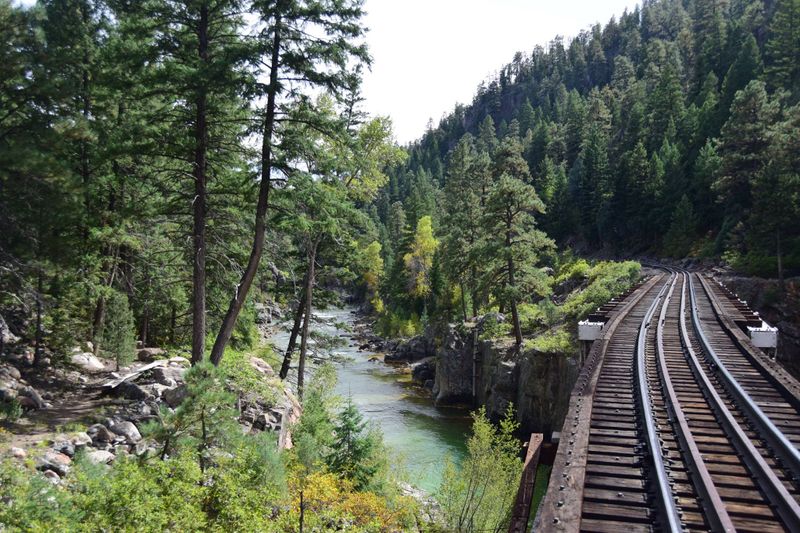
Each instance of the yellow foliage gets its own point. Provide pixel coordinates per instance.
(330, 500)
(419, 260)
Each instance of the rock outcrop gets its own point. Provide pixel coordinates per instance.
(462, 368)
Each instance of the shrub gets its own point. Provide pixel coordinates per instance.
(493, 329)
(606, 279)
(478, 495)
(117, 338)
(236, 370)
(552, 342)
(245, 332)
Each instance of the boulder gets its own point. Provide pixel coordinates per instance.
(168, 376)
(175, 396)
(147, 355)
(262, 366)
(454, 368)
(18, 453)
(424, 370)
(52, 477)
(64, 445)
(21, 356)
(132, 391)
(10, 371)
(7, 391)
(127, 430)
(81, 439)
(100, 457)
(99, 433)
(33, 395)
(412, 350)
(55, 461)
(26, 403)
(6, 337)
(88, 362)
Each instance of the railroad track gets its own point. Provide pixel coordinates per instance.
(676, 425)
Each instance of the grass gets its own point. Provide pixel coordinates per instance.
(236, 367)
(539, 490)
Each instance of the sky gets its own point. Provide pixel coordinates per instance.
(429, 55)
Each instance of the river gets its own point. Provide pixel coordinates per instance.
(418, 434)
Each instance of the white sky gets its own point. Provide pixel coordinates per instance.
(429, 55)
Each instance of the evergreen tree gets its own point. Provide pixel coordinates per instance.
(323, 59)
(776, 189)
(353, 448)
(746, 68)
(783, 63)
(513, 246)
(117, 334)
(680, 235)
(743, 147)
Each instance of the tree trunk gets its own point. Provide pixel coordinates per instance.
(463, 302)
(173, 318)
(97, 323)
(780, 258)
(235, 307)
(199, 229)
(302, 510)
(38, 350)
(298, 320)
(312, 257)
(145, 325)
(511, 284)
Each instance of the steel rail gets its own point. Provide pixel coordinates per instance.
(569, 468)
(663, 486)
(716, 513)
(785, 505)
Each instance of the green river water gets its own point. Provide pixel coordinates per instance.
(418, 434)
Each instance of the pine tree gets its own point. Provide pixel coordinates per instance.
(680, 235)
(117, 333)
(710, 30)
(467, 182)
(746, 68)
(512, 245)
(783, 60)
(743, 147)
(353, 448)
(776, 189)
(323, 59)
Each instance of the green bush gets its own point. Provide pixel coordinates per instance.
(492, 329)
(148, 496)
(236, 369)
(245, 333)
(393, 324)
(552, 342)
(33, 503)
(478, 494)
(606, 280)
(117, 339)
(577, 270)
(10, 409)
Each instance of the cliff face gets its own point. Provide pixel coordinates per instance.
(473, 371)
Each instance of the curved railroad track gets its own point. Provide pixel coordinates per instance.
(677, 424)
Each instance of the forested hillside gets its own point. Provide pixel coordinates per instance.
(672, 130)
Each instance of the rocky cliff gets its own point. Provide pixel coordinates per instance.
(460, 367)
